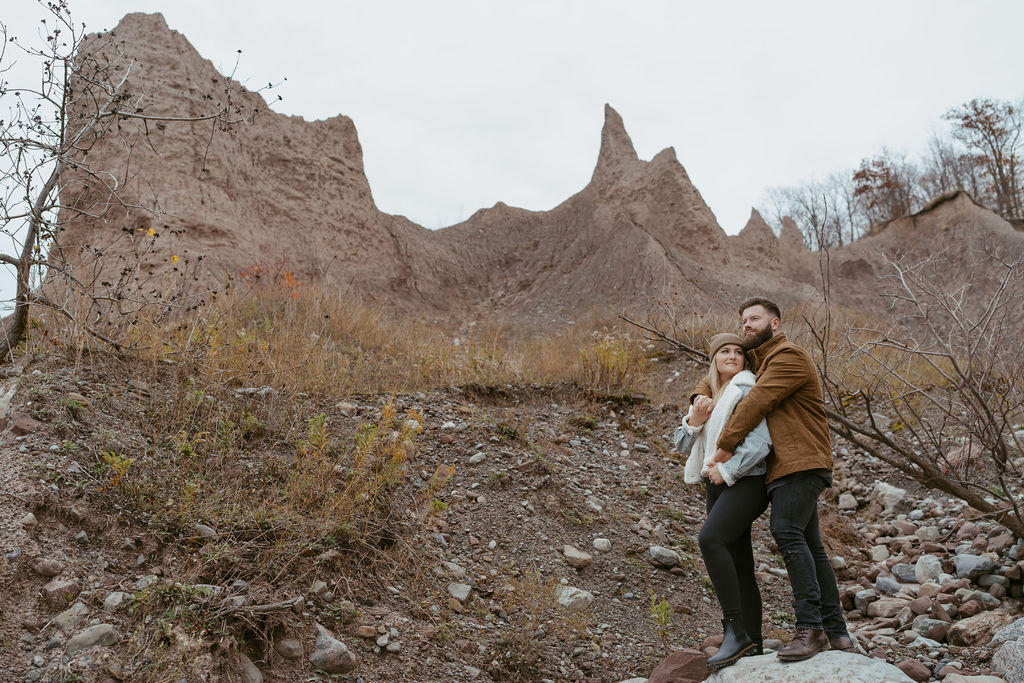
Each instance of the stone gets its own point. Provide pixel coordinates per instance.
(927, 568)
(330, 654)
(888, 585)
(879, 553)
(831, 665)
(44, 566)
(914, 669)
(100, 634)
(22, 423)
(247, 671)
(366, 631)
(460, 591)
(887, 496)
(114, 601)
(289, 648)
(576, 558)
(1008, 661)
(682, 666)
(477, 458)
(886, 607)
(602, 545)
(903, 572)
(60, 592)
(936, 629)
(28, 521)
(928, 534)
(205, 531)
(573, 599)
(971, 566)
(976, 630)
(665, 557)
(863, 598)
(847, 501)
(71, 616)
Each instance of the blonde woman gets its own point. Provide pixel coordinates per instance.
(736, 496)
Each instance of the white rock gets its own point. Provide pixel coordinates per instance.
(847, 501)
(459, 591)
(573, 599)
(888, 496)
(602, 545)
(879, 553)
(927, 568)
(832, 666)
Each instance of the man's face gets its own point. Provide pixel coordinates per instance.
(758, 326)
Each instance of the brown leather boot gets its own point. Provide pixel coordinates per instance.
(843, 643)
(807, 643)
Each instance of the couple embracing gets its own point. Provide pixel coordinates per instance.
(757, 433)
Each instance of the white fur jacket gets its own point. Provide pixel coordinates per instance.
(702, 441)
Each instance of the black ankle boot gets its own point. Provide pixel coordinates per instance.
(735, 644)
(758, 648)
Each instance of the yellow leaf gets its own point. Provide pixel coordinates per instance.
(174, 259)
(151, 233)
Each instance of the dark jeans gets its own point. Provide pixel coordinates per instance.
(794, 524)
(725, 544)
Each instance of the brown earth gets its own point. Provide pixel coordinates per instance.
(285, 194)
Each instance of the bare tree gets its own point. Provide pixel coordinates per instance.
(87, 91)
(947, 167)
(937, 391)
(994, 131)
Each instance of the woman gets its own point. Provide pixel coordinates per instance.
(736, 496)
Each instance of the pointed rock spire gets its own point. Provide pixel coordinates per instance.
(616, 146)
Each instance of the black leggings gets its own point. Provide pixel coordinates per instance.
(725, 544)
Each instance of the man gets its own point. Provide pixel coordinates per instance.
(788, 395)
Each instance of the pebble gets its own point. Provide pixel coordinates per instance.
(330, 654)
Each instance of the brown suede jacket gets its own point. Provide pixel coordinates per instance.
(788, 395)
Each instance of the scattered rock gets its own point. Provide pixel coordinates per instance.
(602, 545)
(665, 557)
(915, 669)
(22, 424)
(100, 634)
(247, 671)
(60, 592)
(684, 666)
(888, 496)
(460, 591)
(576, 558)
(975, 630)
(289, 648)
(573, 599)
(44, 566)
(330, 654)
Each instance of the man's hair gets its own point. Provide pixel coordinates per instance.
(768, 304)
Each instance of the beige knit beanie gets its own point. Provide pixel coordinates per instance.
(720, 340)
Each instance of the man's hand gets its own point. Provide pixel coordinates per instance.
(721, 456)
(702, 407)
(715, 476)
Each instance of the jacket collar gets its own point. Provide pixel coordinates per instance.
(762, 352)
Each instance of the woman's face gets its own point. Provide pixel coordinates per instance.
(728, 361)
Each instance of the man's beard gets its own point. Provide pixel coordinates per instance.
(755, 339)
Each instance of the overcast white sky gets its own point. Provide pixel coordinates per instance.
(460, 104)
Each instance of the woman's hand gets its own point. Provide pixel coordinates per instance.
(715, 476)
(702, 407)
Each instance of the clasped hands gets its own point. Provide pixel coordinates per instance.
(702, 408)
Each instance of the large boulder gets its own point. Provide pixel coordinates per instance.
(834, 667)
